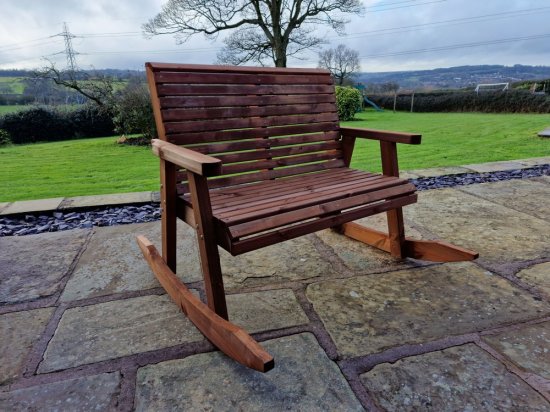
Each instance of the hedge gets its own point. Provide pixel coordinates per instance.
(47, 124)
(510, 101)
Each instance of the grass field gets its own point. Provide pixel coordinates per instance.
(12, 108)
(13, 85)
(99, 166)
(452, 139)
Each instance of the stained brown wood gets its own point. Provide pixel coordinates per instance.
(228, 112)
(241, 78)
(431, 250)
(381, 135)
(268, 132)
(196, 162)
(208, 248)
(168, 196)
(168, 89)
(396, 227)
(226, 336)
(255, 156)
(280, 235)
(437, 251)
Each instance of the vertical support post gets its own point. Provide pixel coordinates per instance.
(208, 247)
(396, 227)
(169, 219)
(348, 143)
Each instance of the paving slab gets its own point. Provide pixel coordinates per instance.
(110, 330)
(440, 171)
(495, 166)
(528, 347)
(463, 378)
(33, 266)
(3, 205)
(293, 260)
(124, 327)
(362, 258)
(32, 206)
(113, 262)
(524, 195)
(266, 310)
(499, 234)
(538, 276)
(105, 200)
(213, 382)
(18, 333)
(91, 393)
(535, 161)
(368, 314)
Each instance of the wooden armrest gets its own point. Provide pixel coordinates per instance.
(195, 162)
(382, 135)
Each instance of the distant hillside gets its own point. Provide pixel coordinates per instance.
(457, 77)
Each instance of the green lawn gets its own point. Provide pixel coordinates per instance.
(12, 108)
(75, 168)
(12, 84)
(99, 166)
(452, 139)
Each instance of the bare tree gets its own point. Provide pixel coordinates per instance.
(99, 89)
(260, 29)
(342, 62)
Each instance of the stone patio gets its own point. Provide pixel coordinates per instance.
(84, 324)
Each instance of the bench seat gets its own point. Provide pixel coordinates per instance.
(269, 212)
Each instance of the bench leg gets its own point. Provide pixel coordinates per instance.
(431, 250)
(396, 230)
(168, 206)
(208, 247)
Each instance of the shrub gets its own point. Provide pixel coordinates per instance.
(348, 102)
(5, 139)
(90, 121)
(133, 112)
(49, 124)
(35, 124)
(511, 101)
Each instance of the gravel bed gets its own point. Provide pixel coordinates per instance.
(109, 216)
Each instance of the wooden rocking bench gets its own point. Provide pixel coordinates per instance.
(254, 156)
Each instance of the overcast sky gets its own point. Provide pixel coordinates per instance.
(392, 34)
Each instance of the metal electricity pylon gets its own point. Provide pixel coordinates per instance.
(70, 53)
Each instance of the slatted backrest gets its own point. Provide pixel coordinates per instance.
(263, 123)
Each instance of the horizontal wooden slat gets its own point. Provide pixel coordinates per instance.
(227, 112)
(207, 68)
(280, 235)
(266, 175)
(236, 101)
(225, 135)
(285, 185)
(261, 143)
(272, 153)
(257, 210)
(240, 89)
(293, 194)
(280, 162)
(248, 122)
(241, 78)
(285, 218)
